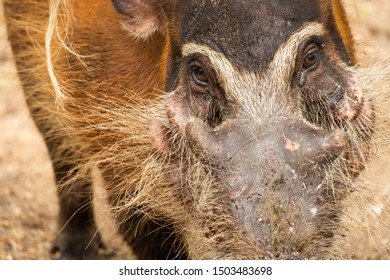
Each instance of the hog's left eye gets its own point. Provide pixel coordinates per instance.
(199, 76)
(311, 57)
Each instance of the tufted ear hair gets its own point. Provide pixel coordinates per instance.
(146, 16)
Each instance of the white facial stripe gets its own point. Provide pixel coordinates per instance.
(247, 87)
(226, 72)
(285, 56)
(234, 81)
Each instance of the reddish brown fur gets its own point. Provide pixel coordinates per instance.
(334, 9)
(111, 116)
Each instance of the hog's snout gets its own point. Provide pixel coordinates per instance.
(272, 174)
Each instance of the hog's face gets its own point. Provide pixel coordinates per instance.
(264, 123)
(270, 104)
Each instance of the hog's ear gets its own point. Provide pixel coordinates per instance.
(146, 16)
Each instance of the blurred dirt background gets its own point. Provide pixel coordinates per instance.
(28, 203)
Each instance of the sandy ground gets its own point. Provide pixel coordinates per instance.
(28, 203)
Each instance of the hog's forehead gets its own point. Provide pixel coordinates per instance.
(249, 32)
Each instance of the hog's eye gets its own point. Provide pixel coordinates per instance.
(311, 57)
(199, 76)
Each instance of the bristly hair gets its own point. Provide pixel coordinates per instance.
(108, 126)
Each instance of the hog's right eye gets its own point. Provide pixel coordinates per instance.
(199, 76)
(311, 58)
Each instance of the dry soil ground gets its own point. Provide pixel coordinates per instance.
(28, 206)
